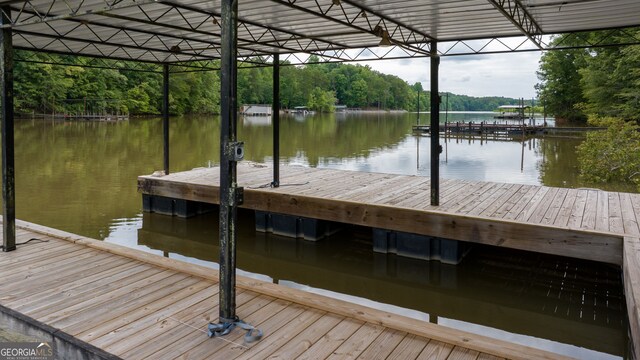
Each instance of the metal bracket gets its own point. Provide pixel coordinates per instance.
(234, 151)
(239, 196)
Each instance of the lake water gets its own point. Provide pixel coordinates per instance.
(81, 177)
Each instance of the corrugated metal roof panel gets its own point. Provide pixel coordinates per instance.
(189, 29)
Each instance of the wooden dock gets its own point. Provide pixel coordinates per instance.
(111, 301)
(581, 223)
(498, 130)
(483, 128)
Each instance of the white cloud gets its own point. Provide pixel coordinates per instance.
(510, 75)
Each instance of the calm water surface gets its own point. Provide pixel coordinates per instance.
(81, 177)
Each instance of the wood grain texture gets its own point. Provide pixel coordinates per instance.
(574, 223)
(631, 274)
(166, 302)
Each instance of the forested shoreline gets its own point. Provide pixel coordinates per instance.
(45, 89)
(598, 86)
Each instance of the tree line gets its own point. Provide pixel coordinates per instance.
(600, 87)
(592, 83)
(45, 88)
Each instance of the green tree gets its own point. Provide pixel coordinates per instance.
(321, 100)
(612, 155)
(560, 87)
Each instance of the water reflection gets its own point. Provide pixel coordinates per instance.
(81, 177)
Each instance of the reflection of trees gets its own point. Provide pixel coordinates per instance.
(559, 165)
(328, 136)
(79, 176)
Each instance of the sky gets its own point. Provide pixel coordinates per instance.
(510, 75)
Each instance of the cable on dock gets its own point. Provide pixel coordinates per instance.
(225, 327)
(26, 242)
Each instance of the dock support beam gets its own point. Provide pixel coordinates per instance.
(165, 116)
(275, 113)
(8, 161)
(228, 174)
(436, 148)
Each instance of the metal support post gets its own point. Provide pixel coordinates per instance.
(231, 196)
(165, 116)
(418, 119)
(8, 161)
(228, 175)
(436, 148)
(276, 120)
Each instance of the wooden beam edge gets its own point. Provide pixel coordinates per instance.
(461, 338)
(360, 213)
(631, 278)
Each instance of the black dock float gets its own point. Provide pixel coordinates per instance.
(295, 226)
(419, 246)
(175, 207)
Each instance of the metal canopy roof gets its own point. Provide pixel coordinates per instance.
(187, 31)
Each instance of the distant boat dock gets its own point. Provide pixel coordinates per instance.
(504, 128)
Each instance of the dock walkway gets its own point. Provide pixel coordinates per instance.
(115, 301)
(582, 223)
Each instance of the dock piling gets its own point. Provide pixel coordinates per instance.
(436, 148)
(228, 171)
(8, 160)
(276, 120)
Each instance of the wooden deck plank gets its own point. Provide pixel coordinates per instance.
(629, 218)
(383, 345)
(109, 335)
(538, 205)
(136, 280)
(357, 343)
(494, 201)
(60, 288)
(62, 265)
(614, 215)
(282, 336)
(30, 256)
(169, 289)
(511, 191)
(577, 211)
(485, 199)
(564, 214)
(554, 208)
(42, 282)
(63, 289)
(467, 198)
(631, 275)
(188, 327)
(326, 345)
(306, 338)
(393, 202)
(484, 356)
(602, 212)
(523, 202)
(635, 201)
(259, 315)
(590, 210)
(409, 348)
(175, 310)
(460, 353)
(435, 350)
